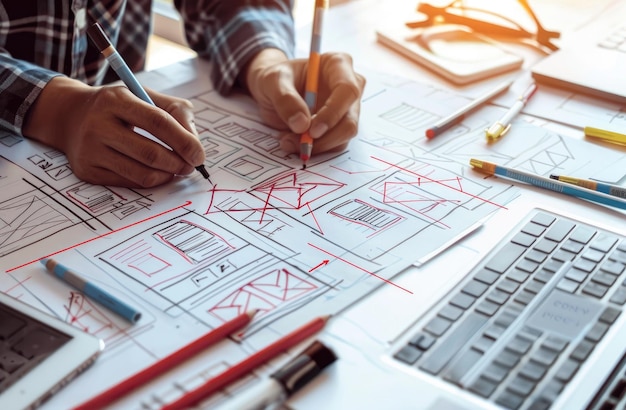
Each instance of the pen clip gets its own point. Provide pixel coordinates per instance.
(505, 130)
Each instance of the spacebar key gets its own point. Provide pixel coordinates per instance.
(453, 342)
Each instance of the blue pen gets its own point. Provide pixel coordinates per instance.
(94, 292)
(120, 67)
(547, 183)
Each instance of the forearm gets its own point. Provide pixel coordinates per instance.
(231, 33)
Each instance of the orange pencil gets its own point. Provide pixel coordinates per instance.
(312, 76)
(247, 365)
(169, 362)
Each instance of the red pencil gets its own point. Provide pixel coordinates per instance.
(247, 365)
(167, 363)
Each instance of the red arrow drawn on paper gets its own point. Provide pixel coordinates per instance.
(324, 262)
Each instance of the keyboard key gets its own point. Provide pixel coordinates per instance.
(508, 359)
(605, 279)
(533, 229)
(544, 356)
(609, 315)
(457, 338)
(582, 234)
(535, 256)
(495, 372)
(593, 255)
(475, 288)
(451, 312)
(555, 344)
(567, 370)
(510, 400)
(483, 387)
(462, 300)
(523, 239)
(596, 332)
(619, 297)
(595, 289)
(545, 246)
(585, 265)
(505, 257)
(576, 275)
(572, 246)
(483, 344)
(527, 266)
(618, 256)
(422, 341)
(519, 345)
(497, 296)
(603, 242)
(533, 371)
(517, 275)
(507, 285)
(487, 308)
(612, 267)
(521, 386)
(486, 276)
(437, 326)
(543, 219)
(9, 325)
(567, 285)
(582, 350)
(461, 365)
(408, 354)
(559, 230)
(11, 361)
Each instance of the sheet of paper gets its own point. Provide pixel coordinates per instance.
(269, 235)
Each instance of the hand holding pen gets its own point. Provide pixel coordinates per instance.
(502, 126)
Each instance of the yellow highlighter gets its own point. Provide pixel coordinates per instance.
(605, 135)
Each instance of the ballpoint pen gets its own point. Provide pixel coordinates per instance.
(92, 290)
(548, 183)
(457, 116)
(312, 76)
(120, 67)
(593, 185)
(502, 126)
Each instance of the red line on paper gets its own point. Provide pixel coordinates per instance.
(360, 268)
(100, 236)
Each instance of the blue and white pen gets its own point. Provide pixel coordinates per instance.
(94, 292)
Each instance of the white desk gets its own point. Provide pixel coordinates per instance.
(362, 335)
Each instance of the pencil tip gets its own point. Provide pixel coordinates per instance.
(303, 166)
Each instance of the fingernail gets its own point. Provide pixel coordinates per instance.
(318, 130)
(297, 122)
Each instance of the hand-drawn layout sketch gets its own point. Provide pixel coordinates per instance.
(293, 243)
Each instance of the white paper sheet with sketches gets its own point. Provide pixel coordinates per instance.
(294, 243)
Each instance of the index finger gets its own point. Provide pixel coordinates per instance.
(163, 127)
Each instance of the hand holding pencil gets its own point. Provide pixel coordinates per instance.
(280, 85)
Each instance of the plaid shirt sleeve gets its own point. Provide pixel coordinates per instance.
(230, 33)
(20, 85)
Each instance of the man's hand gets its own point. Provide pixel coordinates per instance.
(94, 127)
(278, 84)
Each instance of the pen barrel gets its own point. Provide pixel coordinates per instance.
(119, 66)
(111, 302)
(264, 394)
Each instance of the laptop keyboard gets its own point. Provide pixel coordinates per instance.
(517, 329)
(616, 40)
(24, 342)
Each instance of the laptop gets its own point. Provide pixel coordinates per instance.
(592, 59)
(519, 330)
(39, 354)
